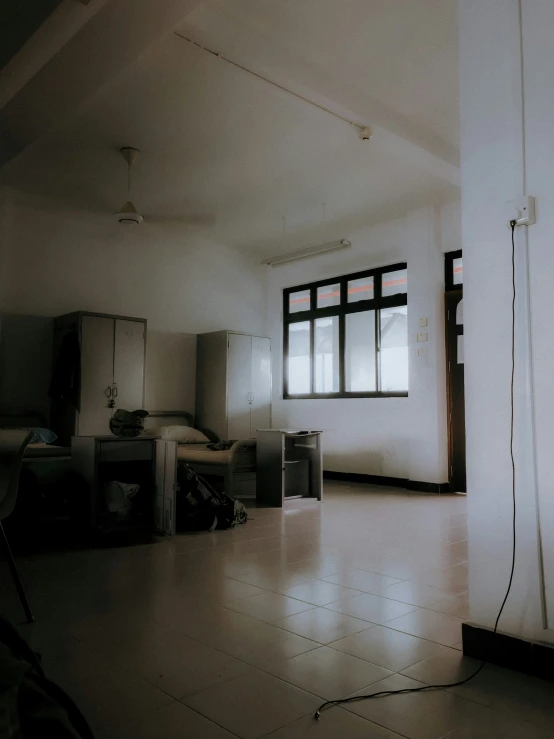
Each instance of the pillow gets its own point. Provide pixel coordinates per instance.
(154, 431)
(42, 436)
(183, 434)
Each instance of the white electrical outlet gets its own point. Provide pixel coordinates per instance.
(522, 211)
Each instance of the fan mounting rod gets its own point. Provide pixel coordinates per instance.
(129, 153)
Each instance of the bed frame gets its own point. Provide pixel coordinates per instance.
(13, 418)
(240, 472)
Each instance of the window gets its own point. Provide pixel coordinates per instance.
(453, 270)
(348, 337)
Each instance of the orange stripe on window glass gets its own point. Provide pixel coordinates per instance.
(300, 300)
(360, 289)
(400, 281)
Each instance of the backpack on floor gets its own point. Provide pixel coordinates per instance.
(201, 508)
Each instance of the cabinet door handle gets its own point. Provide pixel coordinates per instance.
(114, 391)
(108, 392)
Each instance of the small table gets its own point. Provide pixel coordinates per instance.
(288, 465)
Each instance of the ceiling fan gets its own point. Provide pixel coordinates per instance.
(130, 216)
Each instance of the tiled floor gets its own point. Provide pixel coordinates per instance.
(244, 633)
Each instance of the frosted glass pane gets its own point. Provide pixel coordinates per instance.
(299, 301)
(460, 313)
(328, 295)
(360, 352)
(394, 349)
(326, 345)
(458, 271)
(460, 352)
(299, 358)
(395, 282)
(360, 289)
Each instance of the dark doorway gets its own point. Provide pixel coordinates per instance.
(454, 310)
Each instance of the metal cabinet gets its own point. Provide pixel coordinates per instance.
(233, 384)
(99, 366)
(150, 462)
(289, 465)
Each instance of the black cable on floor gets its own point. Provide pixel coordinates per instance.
(382, 693)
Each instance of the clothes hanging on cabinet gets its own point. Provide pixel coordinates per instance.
(66, 377)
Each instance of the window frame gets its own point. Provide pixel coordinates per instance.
(341, 310)
(449, 283)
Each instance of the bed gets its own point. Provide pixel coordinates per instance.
(13, 418)
(236, 465)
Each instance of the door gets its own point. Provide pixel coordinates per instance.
(129, 364)
(239, 385)
(97, 341)
(166, 487)
(455, 389)
(260, 409)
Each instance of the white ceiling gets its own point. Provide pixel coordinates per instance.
(218, 140)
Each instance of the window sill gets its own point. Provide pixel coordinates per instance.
(343, 396)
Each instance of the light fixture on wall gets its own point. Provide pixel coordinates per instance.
(312, 251)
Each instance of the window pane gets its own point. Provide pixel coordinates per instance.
(458, 271)
(299, 358)
(326, 343)
(361, 289)
(328, 295)
(394, 349)
(299, 301)
(359, 365)
(395, 282)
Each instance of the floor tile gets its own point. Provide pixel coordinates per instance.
(319, 592)
(391, 649)
(453, 578)
(269, 606)
(333, 725)
(372, 608)
(422, 715)
(431, 625)
(447, 666)
(367, 582)
(135, 633)
(454, 606)
(104, 693)
(328, 673)
(414, 592)
(254, 706)
(171, 722)
(322, 625)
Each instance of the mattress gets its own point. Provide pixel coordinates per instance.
(200, 454)
(46, 451)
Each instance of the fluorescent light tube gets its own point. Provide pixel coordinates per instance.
(310, 252)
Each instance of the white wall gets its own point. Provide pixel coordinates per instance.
(177, 279)
(170, 381)
(54, 262)
(500, 161)
(397, 437)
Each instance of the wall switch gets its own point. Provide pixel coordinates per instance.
(422, 351)
(522, 211)
(424, 336)
(422, 322)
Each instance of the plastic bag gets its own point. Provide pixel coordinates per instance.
(119, 497)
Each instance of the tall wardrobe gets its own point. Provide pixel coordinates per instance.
(99, 363)
(233, 384)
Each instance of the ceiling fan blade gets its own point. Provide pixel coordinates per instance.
(194, 219)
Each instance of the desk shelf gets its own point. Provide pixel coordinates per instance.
(289, 465)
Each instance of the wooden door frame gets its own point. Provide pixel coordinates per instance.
(449, 295)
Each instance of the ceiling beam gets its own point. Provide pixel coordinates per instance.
(255, 48)
(113, 34)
